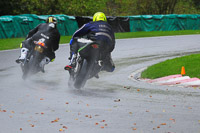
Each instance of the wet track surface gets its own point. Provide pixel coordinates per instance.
(112, 103)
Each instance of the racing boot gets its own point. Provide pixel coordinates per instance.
(23, 55)
(72, 62)
(100, 62)
(44, 61)
(109, 65)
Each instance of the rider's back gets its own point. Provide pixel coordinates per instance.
(49, 33)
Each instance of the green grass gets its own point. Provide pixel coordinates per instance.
(173, 66)
(12, 43)
(155, 33)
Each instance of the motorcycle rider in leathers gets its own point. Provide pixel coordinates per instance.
(46, 33)
(99, 31)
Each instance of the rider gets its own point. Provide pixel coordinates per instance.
(46, 33)
(100, 31)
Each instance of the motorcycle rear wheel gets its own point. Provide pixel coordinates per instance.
(83, 75)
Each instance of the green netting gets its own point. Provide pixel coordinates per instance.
(36, 19)
(24, 24)
(7, 27)
(71, 24)
(170, 22)
(67, 25)
(20, 25)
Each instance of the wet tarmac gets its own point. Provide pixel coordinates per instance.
(113, 103)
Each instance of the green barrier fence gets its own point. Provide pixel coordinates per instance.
(7, 27)
(20, 25)
(170, 22)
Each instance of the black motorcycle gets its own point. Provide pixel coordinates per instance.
(88, 63)
(31, 64)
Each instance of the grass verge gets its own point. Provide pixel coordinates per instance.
(173, 66)
(155, 33)
(12, 43)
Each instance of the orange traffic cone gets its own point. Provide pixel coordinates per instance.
(183, 70)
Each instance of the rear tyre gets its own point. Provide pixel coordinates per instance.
(82, 77)
(25, 69)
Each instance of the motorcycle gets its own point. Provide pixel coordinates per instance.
(31, 64)
(88, 63)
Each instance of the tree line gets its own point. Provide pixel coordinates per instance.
(89, 7)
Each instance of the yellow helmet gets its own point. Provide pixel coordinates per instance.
(51, 20)
(99, 16)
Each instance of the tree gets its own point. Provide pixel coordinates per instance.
(146, 7)
(156, 6)
(122, 7)
(166, 6)
(7, 7)
(89, 7)
(85, 7)
(196, 4)
(38, 7)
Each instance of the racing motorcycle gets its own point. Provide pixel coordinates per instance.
(88, 63)
(31, 64)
